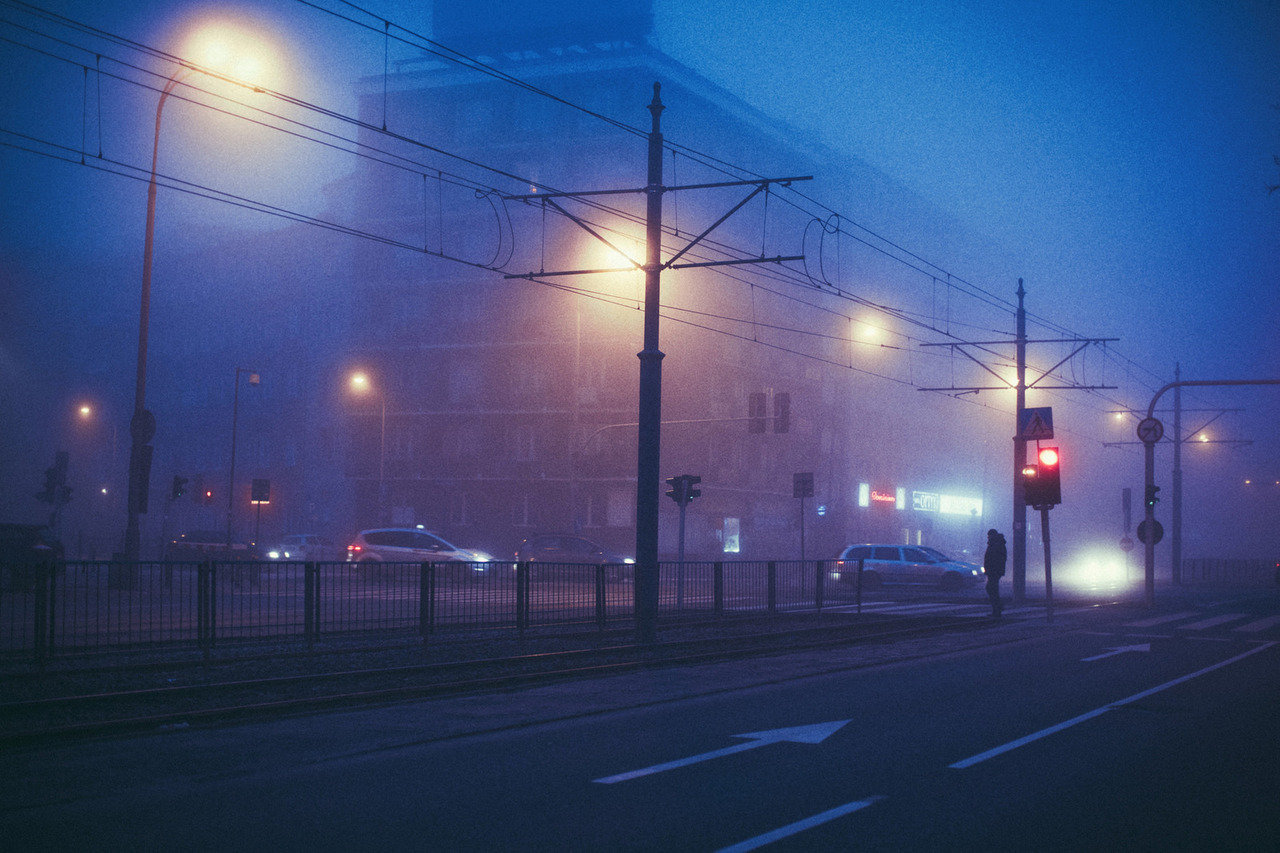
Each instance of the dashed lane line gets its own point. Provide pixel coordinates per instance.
(799, 826)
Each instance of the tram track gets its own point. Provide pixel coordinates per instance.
(187, 705)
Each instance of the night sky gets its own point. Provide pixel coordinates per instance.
(1115, 156)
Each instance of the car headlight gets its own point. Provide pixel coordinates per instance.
(481, 557)
(274, 554)
(630, 561)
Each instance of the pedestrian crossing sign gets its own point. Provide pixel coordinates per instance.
(1036, 424)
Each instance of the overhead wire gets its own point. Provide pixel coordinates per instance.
(912, 260)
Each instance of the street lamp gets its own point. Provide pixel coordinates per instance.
(254, 379)
(361, 384)
(142, 427)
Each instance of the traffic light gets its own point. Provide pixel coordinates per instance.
(682, 488)
(755, 411)
(1151, 496)
(782, 412)
(207, 497)
(677, 490)
(1042, 482)
(179, 487)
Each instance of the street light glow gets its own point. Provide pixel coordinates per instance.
(235, 53)
(86, 411)
(360, 382)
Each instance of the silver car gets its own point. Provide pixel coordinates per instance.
(904, 564)
(411, 545)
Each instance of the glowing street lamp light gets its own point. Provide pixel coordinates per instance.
(216, 50)
(362, 385)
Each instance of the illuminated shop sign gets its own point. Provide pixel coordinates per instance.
(925, 501)
(945, 504)
(953, 505)
(880, 497)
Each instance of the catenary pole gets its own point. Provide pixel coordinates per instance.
(1020, 459)
(648, 479)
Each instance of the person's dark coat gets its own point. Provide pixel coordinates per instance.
(996, 555)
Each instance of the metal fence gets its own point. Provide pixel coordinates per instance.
(79, 607)
(1233, 572)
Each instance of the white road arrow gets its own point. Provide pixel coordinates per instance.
(816, 733)
(1119, 650)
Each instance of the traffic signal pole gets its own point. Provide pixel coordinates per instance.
(1151, 431)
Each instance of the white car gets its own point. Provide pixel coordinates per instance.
(904, 564)
(303, 547)
(411, 545)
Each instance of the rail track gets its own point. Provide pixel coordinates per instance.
(183, 705)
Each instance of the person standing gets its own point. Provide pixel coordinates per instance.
(993, 564)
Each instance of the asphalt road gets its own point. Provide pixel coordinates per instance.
(1109, 728)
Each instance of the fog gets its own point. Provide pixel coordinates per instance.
(360, 214)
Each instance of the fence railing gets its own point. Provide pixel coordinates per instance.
(78, 607)
(1230, 571)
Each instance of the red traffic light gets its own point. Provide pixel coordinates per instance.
(1048, 456)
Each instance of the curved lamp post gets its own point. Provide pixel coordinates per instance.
(142, 427)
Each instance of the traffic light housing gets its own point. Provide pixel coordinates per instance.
(1042, 481)
(682, 488)
(1151, 498)
(179, 487)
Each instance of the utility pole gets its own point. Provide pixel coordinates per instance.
(1020, 342)
(1019, 574)
(648, 478)
(1175, 532)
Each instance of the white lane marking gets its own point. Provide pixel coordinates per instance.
(1118, 650)
(1260, 625)
(1160, 620)
(799, 826)
(816, 733)
(1096, 712)
(1212, 621)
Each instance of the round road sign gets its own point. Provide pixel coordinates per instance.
(1150, 430)
(1126, 544)
(1155, 528)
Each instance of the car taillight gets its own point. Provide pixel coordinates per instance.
(354, 549)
